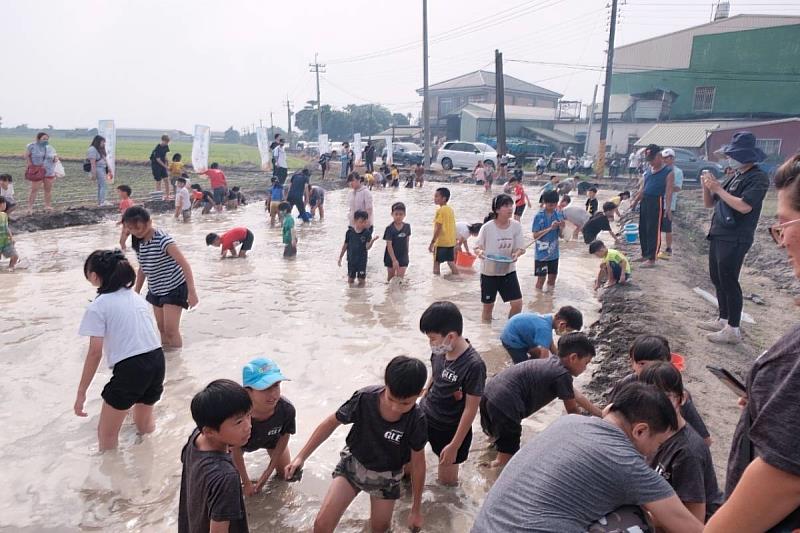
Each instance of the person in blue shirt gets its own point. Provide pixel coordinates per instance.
(344, 158)
(530, 335)
(275, 199)
(548, 226)
(655, 201)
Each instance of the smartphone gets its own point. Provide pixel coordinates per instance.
(729, 380)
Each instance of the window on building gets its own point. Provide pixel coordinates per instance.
(450, 104)
(771, 147)
(704, 98)
(477, 98)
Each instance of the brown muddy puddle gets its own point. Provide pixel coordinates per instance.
(328, 338)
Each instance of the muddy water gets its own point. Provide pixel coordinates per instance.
(328, 338)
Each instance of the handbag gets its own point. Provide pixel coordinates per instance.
(36, 172)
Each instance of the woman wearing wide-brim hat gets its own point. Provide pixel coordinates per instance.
(737, 207)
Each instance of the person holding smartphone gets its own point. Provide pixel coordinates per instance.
(763, 481)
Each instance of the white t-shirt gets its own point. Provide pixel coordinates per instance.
(124, 320)
(496, 241)
(279, 153)
(576, 215)
(462, 230)
(182, 199)
(8, 194)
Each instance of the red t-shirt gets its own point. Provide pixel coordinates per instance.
(230, 237)
(216, 177)
(125, 204)
(519, 194)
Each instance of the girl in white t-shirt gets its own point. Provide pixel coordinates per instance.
(500, 243)
(120, 327)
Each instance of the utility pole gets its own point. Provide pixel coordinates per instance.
(289, 113)
(426, 112)
(271, 126)
(315, 67)
(500, 96)
(591, 121)
(612, 28)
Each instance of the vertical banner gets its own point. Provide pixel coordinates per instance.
(263, 147)
(107, 130)
(200, 146)
(324, 147)
(389, 149)
(357, 148)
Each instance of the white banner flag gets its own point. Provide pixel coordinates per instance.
(107, 130)
(200, 147)
(324, 146)
(263, 147)
(389, 149)
(357, 147)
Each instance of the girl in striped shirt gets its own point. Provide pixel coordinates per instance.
(170, 284)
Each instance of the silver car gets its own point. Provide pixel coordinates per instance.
(460, 154)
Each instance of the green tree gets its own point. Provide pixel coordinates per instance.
(400, 119)
(231, 136)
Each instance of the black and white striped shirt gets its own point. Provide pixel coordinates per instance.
(163, 273)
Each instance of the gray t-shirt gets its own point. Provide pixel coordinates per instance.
(574, 472)
(45, 155)
(93, 155)
(522, 389)
(576, 215)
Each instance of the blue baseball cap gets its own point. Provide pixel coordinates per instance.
(261, 373)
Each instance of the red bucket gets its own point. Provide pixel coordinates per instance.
(677, 361)
(464, 259)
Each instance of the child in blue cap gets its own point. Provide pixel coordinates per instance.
(273, 420)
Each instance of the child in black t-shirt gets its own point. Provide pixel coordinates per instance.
(211, 494)
(273, 421)
(591, 202)
(454, 390)
(397, 236)
(683, 459)
(388, 432)
(357, 242)
(645, 350)
(520, 390)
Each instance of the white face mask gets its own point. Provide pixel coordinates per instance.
(734, 164)
(442, 349)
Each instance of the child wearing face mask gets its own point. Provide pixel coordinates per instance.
(453, 393)
(530, 335)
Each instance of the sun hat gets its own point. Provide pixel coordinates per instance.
(261, 373)
(743, 148)
(667, 152)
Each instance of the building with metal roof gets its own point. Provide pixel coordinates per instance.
(690, 135)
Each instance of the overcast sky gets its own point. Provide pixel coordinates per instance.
(175, 63)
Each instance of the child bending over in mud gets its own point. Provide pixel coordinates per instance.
(6, 238)
(614, 267)
(125, 201)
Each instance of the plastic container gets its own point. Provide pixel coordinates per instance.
(464, 259)
(631, 227)
(677, 361)
(497, 265)
(631, 232)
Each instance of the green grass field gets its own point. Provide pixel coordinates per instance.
(129, 150)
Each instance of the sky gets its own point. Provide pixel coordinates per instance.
(171, 64)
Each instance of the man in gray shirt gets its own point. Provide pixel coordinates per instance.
(582, 468)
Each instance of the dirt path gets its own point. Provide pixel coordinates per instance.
(662, 301)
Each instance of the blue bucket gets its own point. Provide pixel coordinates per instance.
(631, 228)
(631, 236)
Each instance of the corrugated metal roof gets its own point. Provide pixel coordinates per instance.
(513, 112)
(483, 78)
(617, 104)
(674, 50)
(553, 135)
(756, 124)
(678, 135)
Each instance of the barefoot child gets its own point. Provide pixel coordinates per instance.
(201, 198)
(615, 267)
(458, 375)
(591, 201)
(183, 204)
(548, 227)
(7, 192)
(175, 170)
(388, 433)
(272, 419)
(289, 231)
(211, 493)
(500, 236)
(443, 242)
(463, 232)
(6, 238)
(125, 201)
(521, 199)
(170, 283)
(397, 236)
(119, 327)
(357, 242)
(230, 239)
(517, 392)
(274, 202)
(530, 335)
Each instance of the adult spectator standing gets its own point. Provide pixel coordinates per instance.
(369, 157)
(737, 207)
(344, 159)
(159, 164)
(666, 225)
(96, 155)
(764, 463)
(633, 165)
(654, 196)
(360, 200)
(272, 146)
(40, 159)
(581, 469)
(300, 192)
(281, 167)
(571, 164)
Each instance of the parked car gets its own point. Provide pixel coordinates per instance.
(458, 154)
(405, 153)
(693, 166)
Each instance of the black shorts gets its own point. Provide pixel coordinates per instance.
(247, 243)
(545, 268)
(445, 254)
(357, 269)
(137, 379)
(401, 260)
(280, 173)
(178, 296)
(519, 210)
(505, 432)
(159, 172)
(666, 224)
(507, 286)
(439, 438)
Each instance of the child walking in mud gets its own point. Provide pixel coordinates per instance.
(6, 238)
(357, 242)
(125, 201)
(289, 232)
(443, 242)
(397, 236)
(120, 328)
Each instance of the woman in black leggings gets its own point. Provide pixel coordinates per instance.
(737, 206)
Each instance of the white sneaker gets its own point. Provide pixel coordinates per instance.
(715, 325)
(728, 335)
